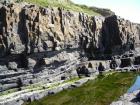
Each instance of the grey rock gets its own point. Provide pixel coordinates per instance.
(7, 1)
(127, 99)
(79, 83)
(55, 90)
(12, 65)
(31, 63)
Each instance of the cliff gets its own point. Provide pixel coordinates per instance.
(27, 29)
(45, 45)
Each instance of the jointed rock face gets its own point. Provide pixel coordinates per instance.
(49, 44)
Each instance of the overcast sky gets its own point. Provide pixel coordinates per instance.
(128, 9)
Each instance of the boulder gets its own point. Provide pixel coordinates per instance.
(12, 65)
(31, 63)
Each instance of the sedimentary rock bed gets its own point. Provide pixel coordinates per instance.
(48, 44)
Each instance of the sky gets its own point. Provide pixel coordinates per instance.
(128, 9)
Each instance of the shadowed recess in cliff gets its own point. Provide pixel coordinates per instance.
(110, 34)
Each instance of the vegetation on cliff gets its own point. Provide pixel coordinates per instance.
(66, 4)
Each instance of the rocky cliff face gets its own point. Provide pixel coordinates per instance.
(31, 29)
(48, 44)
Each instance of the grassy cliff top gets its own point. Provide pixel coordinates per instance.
(66, 4)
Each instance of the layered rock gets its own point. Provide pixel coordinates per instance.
(48, 44)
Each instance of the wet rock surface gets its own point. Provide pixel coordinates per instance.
(129, 99)
(45, 45)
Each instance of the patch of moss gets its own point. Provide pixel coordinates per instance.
(8, 92)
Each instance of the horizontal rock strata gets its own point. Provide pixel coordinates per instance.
(44, 45)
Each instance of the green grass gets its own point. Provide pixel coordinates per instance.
(101, 91)
(65, 5)
(8, 92)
